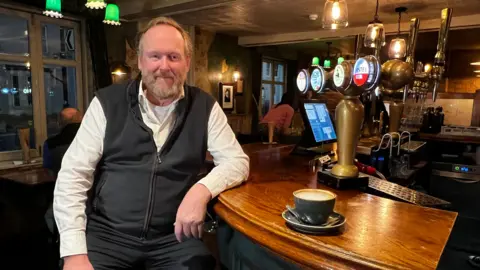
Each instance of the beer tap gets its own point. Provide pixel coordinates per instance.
(426, 76)
(349, 115)
(352, 78)
(439, 62)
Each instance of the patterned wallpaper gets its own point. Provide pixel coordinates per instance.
(203, 41)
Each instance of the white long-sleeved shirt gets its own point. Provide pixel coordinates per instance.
(76, 175)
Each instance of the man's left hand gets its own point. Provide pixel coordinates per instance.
(191, 213)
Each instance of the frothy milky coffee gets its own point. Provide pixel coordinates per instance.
(314, 195)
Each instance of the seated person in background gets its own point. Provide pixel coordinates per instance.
(281, 115)
(55, 147)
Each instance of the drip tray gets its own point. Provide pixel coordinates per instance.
(404, 194)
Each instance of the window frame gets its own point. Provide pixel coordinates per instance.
(272, 82)
(35, 19)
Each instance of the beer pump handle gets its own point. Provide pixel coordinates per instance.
(439, 62)
(412, 40)
(443, 36)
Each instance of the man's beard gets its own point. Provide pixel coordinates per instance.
(161, 91)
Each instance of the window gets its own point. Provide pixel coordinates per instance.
(40, 74)
(273, 83)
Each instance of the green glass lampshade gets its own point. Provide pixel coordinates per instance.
(326, 63)
(112, 15)
(96, 4)
(315, 61)
(340, 60)
(53, 8)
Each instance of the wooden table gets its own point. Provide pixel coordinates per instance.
(379, 233)
(28, 176)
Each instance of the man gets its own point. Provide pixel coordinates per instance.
(55, 147)
(139, 149)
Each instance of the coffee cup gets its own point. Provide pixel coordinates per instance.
(314, 205)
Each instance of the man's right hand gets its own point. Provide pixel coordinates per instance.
(77, 262)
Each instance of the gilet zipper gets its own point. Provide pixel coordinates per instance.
(151, 194)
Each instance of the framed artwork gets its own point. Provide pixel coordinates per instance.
(226, 95)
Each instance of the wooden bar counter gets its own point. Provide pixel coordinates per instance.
(379, 234)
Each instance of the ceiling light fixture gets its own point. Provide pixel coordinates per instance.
(53, 8)
(375, 34)
(335, 14)
(96, 4)
(112, 15)
(398, 46)
(475, 64)
(313, 17)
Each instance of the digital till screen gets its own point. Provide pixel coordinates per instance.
(320, 122)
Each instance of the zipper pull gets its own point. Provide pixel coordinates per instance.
(159, 159)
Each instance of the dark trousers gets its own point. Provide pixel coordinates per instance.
(111, 251)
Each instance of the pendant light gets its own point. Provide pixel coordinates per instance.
(335, 14)
(375, 34)
(398, 47)
(53, 8)
(112, 15)
(340, 60)
(96, 4)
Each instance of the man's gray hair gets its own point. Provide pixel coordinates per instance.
(170, 22)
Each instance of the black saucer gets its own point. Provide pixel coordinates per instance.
(297, 225)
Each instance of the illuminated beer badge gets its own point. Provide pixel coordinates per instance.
(302, 81)
(338, 76)
(361, 72)
(316, 79)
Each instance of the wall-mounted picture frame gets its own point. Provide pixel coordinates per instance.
(226, 95)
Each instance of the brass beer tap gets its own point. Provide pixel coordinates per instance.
(352, 78)
(425, 78)
(349, 115)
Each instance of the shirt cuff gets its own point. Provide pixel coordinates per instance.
(73, 243)
(213, 183)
